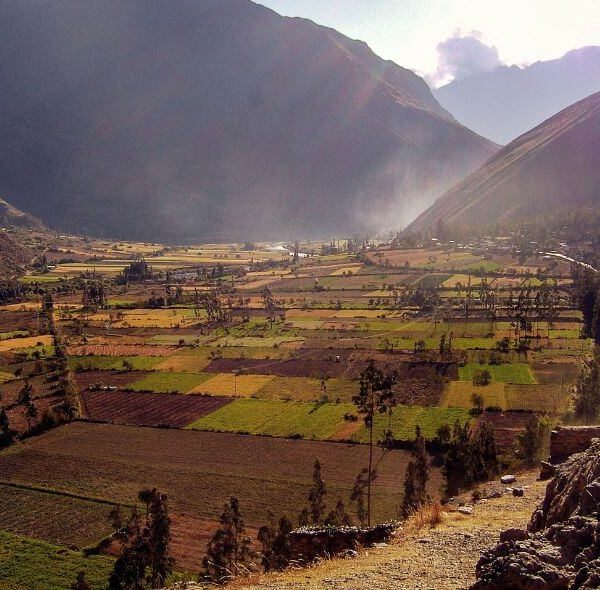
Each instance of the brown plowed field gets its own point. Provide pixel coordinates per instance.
(285, 368)
(200, 470)
(113, 378)
(148, 409)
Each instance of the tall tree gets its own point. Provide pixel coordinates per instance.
(587, 398)
(417, 476)
(374, 397)
(228, 548)
(316, 495)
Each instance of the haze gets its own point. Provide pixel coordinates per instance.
(409, 31)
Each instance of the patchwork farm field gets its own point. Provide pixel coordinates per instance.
(226, 371)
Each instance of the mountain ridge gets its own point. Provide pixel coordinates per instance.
(214, 120)
(552, 167)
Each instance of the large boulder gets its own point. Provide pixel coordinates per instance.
(561, 548)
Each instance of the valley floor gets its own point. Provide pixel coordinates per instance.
(443, 558)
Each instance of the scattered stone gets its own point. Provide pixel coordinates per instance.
(518, 492)
(468, 510)
(508, 479)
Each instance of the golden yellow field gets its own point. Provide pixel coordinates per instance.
(228, 384)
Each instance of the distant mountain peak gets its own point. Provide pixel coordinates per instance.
(507, 101)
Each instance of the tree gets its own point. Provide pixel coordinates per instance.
(25, 396)
(470, 457)
(228, 549)
(417, 476)
(374, 397)
(275, 541)
(316, 495)
(482, 377)
(532, 440)
(587, 398)
(80, 582)
(358, 495)
(144, 561)
(338, 517)
(6, 434)
(478, 402)
(115, 517)
(158, 538)
(31, 413)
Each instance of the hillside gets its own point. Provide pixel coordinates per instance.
(443, 558)
(508, 101)
(13, 256)
(553, 167)
(213, 118)
(10, 215)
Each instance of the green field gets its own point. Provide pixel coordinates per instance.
(277, 418)
(405, 419)
(505, 373)
(27, 564)
(169, 381)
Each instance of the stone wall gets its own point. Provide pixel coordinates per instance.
(308, 543)
(568, 440)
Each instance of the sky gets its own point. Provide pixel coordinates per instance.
(422, 34)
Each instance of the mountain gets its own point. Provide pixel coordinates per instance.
(508, 101)
(13, 255)
(10, 215)
(552, 168)
(213, 119)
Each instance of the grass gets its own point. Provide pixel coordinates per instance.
(405, 419)
(229, 384)
(306, 389)
(277, 418)
(27, 564)
(113, 363)
(505, 373)
(14, 334)
(169, 381)
(458, 394)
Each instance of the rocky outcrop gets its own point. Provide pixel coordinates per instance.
(561, 548)
(568, 440)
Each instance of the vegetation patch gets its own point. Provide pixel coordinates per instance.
(505, 373)
(277, 418)
(27, 564)
(405, 419)
(169, 381)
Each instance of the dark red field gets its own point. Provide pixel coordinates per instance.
(85, 379)
(148, 409)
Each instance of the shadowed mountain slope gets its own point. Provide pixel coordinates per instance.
(213, 119)
(552, 168)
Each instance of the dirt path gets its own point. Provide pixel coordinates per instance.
(443, 558)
